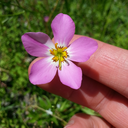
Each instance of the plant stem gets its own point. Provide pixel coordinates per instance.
(35, 106)
(4, 70)
(53, 9)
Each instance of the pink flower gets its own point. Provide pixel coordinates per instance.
(46, 18)
(58, 57)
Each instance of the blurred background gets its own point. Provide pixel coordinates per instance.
(23, 105)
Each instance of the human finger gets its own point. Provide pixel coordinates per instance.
(111, 105)
(96, 96)
(109, 66)
(81, 120)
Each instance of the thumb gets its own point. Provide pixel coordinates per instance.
(81, 120)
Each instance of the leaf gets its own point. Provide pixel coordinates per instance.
(44, 102)
(64, 105)
(90, 112)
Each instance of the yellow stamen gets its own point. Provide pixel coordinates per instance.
(59, 54)
(56, 45)
(55, 58)
(64, 48)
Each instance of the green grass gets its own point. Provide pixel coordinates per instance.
(105, 20)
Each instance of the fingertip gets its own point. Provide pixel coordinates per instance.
(82, 120)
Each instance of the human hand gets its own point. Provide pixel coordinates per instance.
(104, 88)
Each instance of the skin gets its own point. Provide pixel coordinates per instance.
(104, 88)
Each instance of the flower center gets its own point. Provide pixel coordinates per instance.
(59, 54)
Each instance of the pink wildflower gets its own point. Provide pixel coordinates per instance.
(58, 56)
(46, 18)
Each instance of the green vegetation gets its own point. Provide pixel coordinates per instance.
(23, 105)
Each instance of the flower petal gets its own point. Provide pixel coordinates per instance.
(43, 71)
(70, 75)
(63, 29)
(81, 49)
(37, 43)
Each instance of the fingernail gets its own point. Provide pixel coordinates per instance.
(69, 124)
